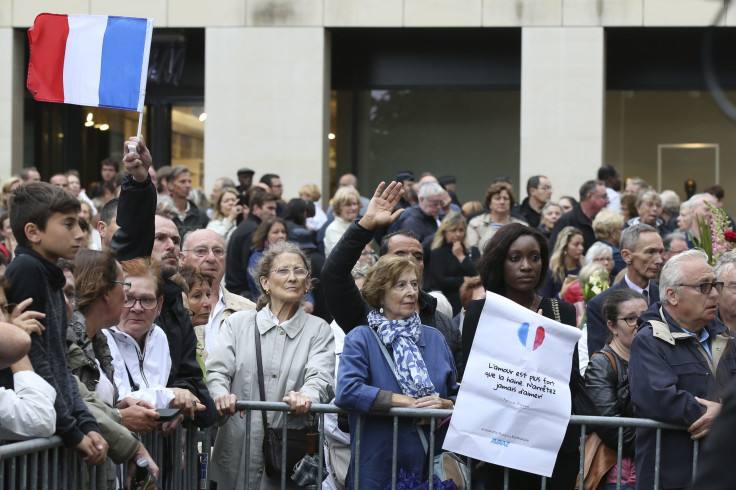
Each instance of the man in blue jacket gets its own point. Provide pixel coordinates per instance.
(682, 360)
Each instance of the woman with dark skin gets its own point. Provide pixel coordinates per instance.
(514, 264)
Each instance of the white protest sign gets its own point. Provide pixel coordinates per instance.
(514, 402)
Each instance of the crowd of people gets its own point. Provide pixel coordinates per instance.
(145, 294)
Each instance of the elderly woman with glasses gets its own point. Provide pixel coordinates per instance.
(140, 349)
(297, 353)
(394, 361)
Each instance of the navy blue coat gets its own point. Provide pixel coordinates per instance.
(597, 327)
(667, 370)
(364, 371)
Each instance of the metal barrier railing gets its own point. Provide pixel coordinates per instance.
(433, 415)
(46, 463)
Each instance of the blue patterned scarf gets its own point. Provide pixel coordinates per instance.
(409, 366)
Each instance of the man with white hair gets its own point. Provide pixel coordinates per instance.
(698, 209)
(670, 209)
(425, 218)
(682, 361)
(205, 250)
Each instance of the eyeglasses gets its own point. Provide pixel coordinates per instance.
(366, 253)
(603, 259)
(126, 285)
(706, 287)
(146, 303)
(203, 251)
(545, 187)
(434, 203)
(299, 272)
(630, 320)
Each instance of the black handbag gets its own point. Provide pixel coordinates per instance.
(296, 439)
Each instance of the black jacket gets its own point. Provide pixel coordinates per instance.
(417, 221)
(577, 218)
(608, 387)
(185, 370)
(347, 306)
(525, 212)
(448, 273)
(136, 219)
(196, 219)
(32, 276)
(238, 255)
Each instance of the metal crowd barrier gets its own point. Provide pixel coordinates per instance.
(434, 414)
(47, 464)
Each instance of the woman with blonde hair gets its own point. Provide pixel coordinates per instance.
(451, 260)
(9, 188)
(565, 263)
(345, 206)
(499, 201)
(227, 209)
(607, 226)
(311, 192)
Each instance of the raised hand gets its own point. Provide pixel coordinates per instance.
(380, 211)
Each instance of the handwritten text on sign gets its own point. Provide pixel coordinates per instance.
(518, 371)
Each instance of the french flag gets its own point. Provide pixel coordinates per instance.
(529, 337)
(92, 60)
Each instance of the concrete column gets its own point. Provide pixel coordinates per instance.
(267, 103)
(562, 105)
(12, 84)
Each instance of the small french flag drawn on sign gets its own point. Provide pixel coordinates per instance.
(529, 337)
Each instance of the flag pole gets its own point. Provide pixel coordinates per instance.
(140, 123)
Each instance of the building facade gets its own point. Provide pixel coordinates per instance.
(310, 89)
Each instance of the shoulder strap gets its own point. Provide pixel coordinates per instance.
(386, 354)
(556, 309)
(613, 361)
(259, 365)
(133, 384)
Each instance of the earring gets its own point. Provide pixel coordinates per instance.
(268, 292)
(381, 310)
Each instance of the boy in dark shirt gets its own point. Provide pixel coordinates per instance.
(45, 223)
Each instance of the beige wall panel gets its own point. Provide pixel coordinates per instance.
(442, 13)
(24, 11)
(6, 13)
(132, 8)
(266, 107)
(522, 13)
(364, 13)
(284, 12)
(602, 13)
(11, 101)
(680, 12)
(197, 13)
(562, 102)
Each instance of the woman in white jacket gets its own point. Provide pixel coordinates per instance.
(139, 348)
(298, 353)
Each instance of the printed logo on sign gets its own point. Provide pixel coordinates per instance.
(499, 442)
(531, 340)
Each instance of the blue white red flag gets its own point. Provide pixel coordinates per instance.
(92, 60)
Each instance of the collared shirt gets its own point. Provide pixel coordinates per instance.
(183, 215)
(213, 325)
(640, 290)
(704, 335)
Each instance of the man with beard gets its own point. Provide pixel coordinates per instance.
(141, 234)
